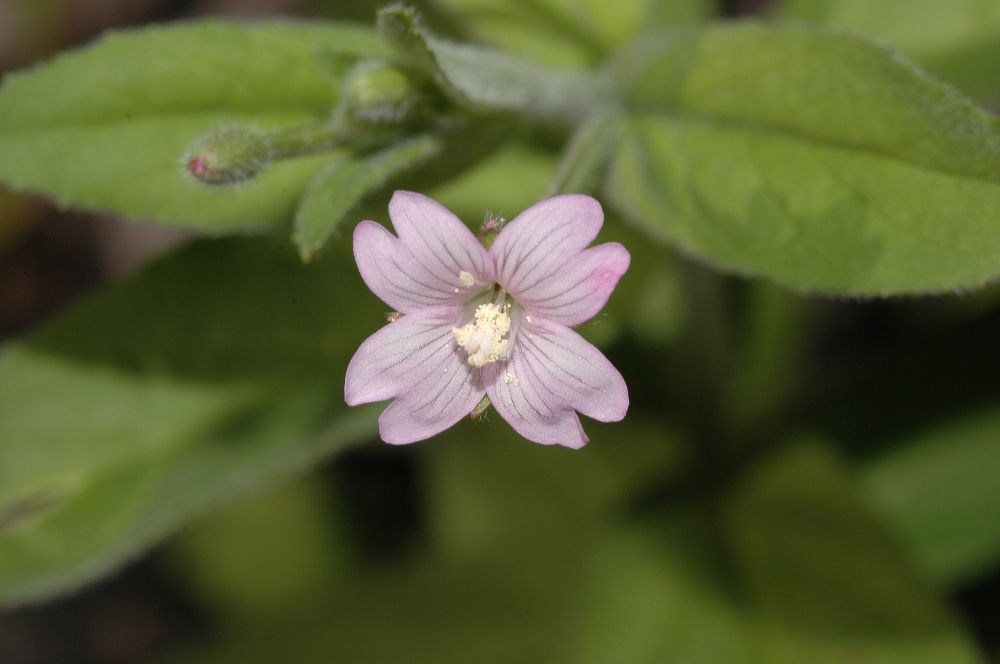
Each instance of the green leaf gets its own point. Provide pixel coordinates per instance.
(957, 40)
(810, 157)
(939, 493)
(340, 186)
(104, 128)
(484, 80)
(218, 369)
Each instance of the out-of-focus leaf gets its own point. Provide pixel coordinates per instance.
(340, 186)
(655, 592)
(816, 563)
(958, 40)
(512, 523)
(767, 369)
(530, 565)
(229, 557)
(104, 127)
(426, 612)
(485, 80)
(569, 32)
(218, 369)
(791, 569)
(508, 182)
(490, 489)
(811, 157)
(939, 493)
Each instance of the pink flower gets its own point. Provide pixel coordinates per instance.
(497, 322)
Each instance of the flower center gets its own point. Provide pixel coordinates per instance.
(483, 338)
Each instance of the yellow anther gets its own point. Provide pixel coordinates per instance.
(483, 338)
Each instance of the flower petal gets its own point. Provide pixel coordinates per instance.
(401, 279)
(540, 240)
(419, 415)
(576, 292)
(416, 360)
(438, 239)
(400, 354)
(552, 372)
(524, 400)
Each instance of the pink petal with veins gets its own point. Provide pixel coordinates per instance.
(423, 266)
(417, 350)
(415, 361)
(552, 372)
(577, 291)
(540, 259)
(438, 239)
(543, 238)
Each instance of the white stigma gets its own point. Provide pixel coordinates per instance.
(483, 338)
(466, 278)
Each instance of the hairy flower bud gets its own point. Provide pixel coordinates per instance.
(379, 93)
(228, 155)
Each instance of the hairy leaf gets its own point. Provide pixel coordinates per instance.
(811, 157)
(958, 40)
(104, 128)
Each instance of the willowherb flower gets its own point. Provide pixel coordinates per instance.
(491, 322)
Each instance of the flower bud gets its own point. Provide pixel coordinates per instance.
(480, 409)
(490, 229)
(379, 93)
(228, 155)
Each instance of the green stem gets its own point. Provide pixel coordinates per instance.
(587, 152)
(305, 139)
(706, 353)
(764, 377)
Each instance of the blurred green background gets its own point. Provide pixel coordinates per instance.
(799, 479)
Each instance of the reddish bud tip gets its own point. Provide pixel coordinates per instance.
(197, 166)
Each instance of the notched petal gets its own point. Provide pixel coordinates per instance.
(543, 238)
(402, 279)
(438, 240)
(530, 407)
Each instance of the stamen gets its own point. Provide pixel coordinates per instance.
(483, 338)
